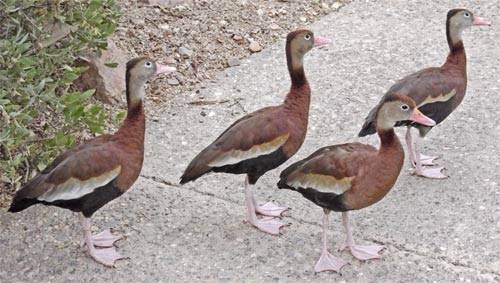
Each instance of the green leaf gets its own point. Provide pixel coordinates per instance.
(111, 65)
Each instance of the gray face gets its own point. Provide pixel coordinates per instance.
(143, 70)
(462, 20)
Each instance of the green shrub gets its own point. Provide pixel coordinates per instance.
(39, 114)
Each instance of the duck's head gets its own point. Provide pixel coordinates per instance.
(138, 71)
(459, 19)
(299, 42)
(397, 108)
(462, 18)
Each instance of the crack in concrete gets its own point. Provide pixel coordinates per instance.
(399, 247)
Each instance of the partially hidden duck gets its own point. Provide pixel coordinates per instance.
(436, 91)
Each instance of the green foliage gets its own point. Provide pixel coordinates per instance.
(39, 114)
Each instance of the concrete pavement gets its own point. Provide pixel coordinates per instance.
(434, 230)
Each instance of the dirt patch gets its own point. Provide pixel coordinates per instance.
(201, 38)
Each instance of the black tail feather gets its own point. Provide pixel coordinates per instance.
(368, 129)
(21, 204)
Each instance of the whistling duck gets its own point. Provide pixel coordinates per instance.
(352, 176)
(264, 139)
(86, 177)
(436, 91)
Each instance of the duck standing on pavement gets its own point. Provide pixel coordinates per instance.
(86, 177)
(353, 176)
(264, 139)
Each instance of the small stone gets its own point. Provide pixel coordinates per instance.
(237, 37)
(138, 21)
(170, 61)
(336, 5)
(172, 81)
(233, 61)
(254, 47)
(183, 51)
(302, 19)
(223, 23)
(260, 12)
(180, 78)
(274, 26)
(164, 27)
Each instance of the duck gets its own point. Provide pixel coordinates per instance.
(437, 91)
(352, 176)
(85, 178)
(264, 139)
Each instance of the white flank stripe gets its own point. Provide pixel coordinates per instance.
(74, 188)
(338, 187)
(236, 156)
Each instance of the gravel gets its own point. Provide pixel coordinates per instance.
(201, 38)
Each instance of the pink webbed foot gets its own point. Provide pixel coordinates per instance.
(104, 239)
(270, 209)
(428, 160)
(364, 252)
(106, 256)
(269, 225)
(431, 173)
(329, 262)
(425, 160)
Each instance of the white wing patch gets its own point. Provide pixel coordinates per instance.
(236, 156)
(440, 98)
(322, 183)
(75, 188)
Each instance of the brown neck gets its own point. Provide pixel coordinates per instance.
(295, 66)
(297, 75)
(456, 45)
(457, 56)
(299, 99)
(388, 140)
(133, 127)
(299, 96)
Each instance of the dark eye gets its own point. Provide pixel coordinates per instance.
(148, 64)
(467, 15)
(405, 107)
(307, 37)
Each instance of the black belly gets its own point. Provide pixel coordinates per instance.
(88, 204)
(255, 167)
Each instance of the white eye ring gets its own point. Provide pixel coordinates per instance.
(307, 37)
(467, 15)
(405, 107)
(148, 64)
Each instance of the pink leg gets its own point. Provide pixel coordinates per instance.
(410, 146)
(412, 150)
(358, 251)
(269, 224)
(268, 209)
(328, 261)
(106, 256)
(432, 173)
